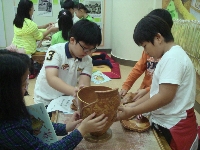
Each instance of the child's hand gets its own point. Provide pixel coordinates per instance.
(140, 93)
(124, 112)
(123, 92)
(73, 121)
(89, 124)
(77, 89)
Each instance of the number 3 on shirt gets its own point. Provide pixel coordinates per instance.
(51, 53)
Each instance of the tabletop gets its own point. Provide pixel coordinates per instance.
(121, 138)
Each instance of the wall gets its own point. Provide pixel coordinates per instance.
(125, 16)
(2, 28)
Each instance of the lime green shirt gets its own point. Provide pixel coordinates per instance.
(26, 36)
(89, 18)
(57, 38)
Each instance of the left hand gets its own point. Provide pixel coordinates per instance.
(124, 112)
(140, 93)
(73, 122)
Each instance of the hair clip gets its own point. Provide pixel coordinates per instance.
(64, 13)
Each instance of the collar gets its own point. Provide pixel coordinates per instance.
(68, 53)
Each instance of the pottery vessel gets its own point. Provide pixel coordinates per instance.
(101, 100)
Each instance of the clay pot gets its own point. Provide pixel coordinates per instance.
(128, 98)
(101, 100)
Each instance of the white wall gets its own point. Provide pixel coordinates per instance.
(8, 13)
(2, 28)
(126, 14)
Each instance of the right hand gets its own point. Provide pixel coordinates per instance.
(123, 92)
(89, 124)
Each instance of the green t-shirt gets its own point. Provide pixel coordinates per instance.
(89, 18)
(57, 38)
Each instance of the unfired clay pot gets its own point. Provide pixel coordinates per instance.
(101, 100)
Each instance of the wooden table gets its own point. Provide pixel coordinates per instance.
(121, 139)
(39, 57)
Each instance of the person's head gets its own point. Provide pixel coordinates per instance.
(14, 72)
(25, 9)
(69, 5)
(153, 33)
(65, 23)
(84, 37)
(164, 14)
(80, 10)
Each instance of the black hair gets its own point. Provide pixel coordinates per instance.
(12, 105)
(81, 6)
(23, 57)
(86, 31)
(164, 14)
(65, 23)
(23, 9)
(148, 27)
(68, 4)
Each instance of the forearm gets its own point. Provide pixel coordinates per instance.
(151, 104)
(46, 33)
(141, 100)
(60, 129)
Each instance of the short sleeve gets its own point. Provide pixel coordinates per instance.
(171, 71)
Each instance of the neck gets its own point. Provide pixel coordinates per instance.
(85, 15)
(168, 46)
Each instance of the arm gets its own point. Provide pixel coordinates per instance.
(136, 72)
(20, 138)
(165, 95)
(45, 26)
(84, 80)
(58, 84)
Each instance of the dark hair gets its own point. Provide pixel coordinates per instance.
(65, 23)
(23, 9)
(81, 6)
(164, 14)
(23, 57)
(68, 4)
(148, 27)
(12, 104)
(86, 31)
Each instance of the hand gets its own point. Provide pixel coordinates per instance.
(53, 29)
(77, 89)
(140, 93)
(48, 25)
(124, 112)
(73, 122)
(123, 92)
(89, 124)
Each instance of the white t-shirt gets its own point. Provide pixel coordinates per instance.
(69, 70)
(175, 67)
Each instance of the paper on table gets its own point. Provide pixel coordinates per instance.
(61, 103)
(98, 77)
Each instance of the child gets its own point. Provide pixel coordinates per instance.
(15, 124)
(172, 94)
(82, 12)
(24, 58)
(67, 64)
(69, 5)
(26, 32)
(65, 23)
(146, 64)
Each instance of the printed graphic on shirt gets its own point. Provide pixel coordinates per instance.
(151, 65)
(50, 55)
(80, 69)
(65, 67)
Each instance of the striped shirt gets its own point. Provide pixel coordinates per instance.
(19, 135)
